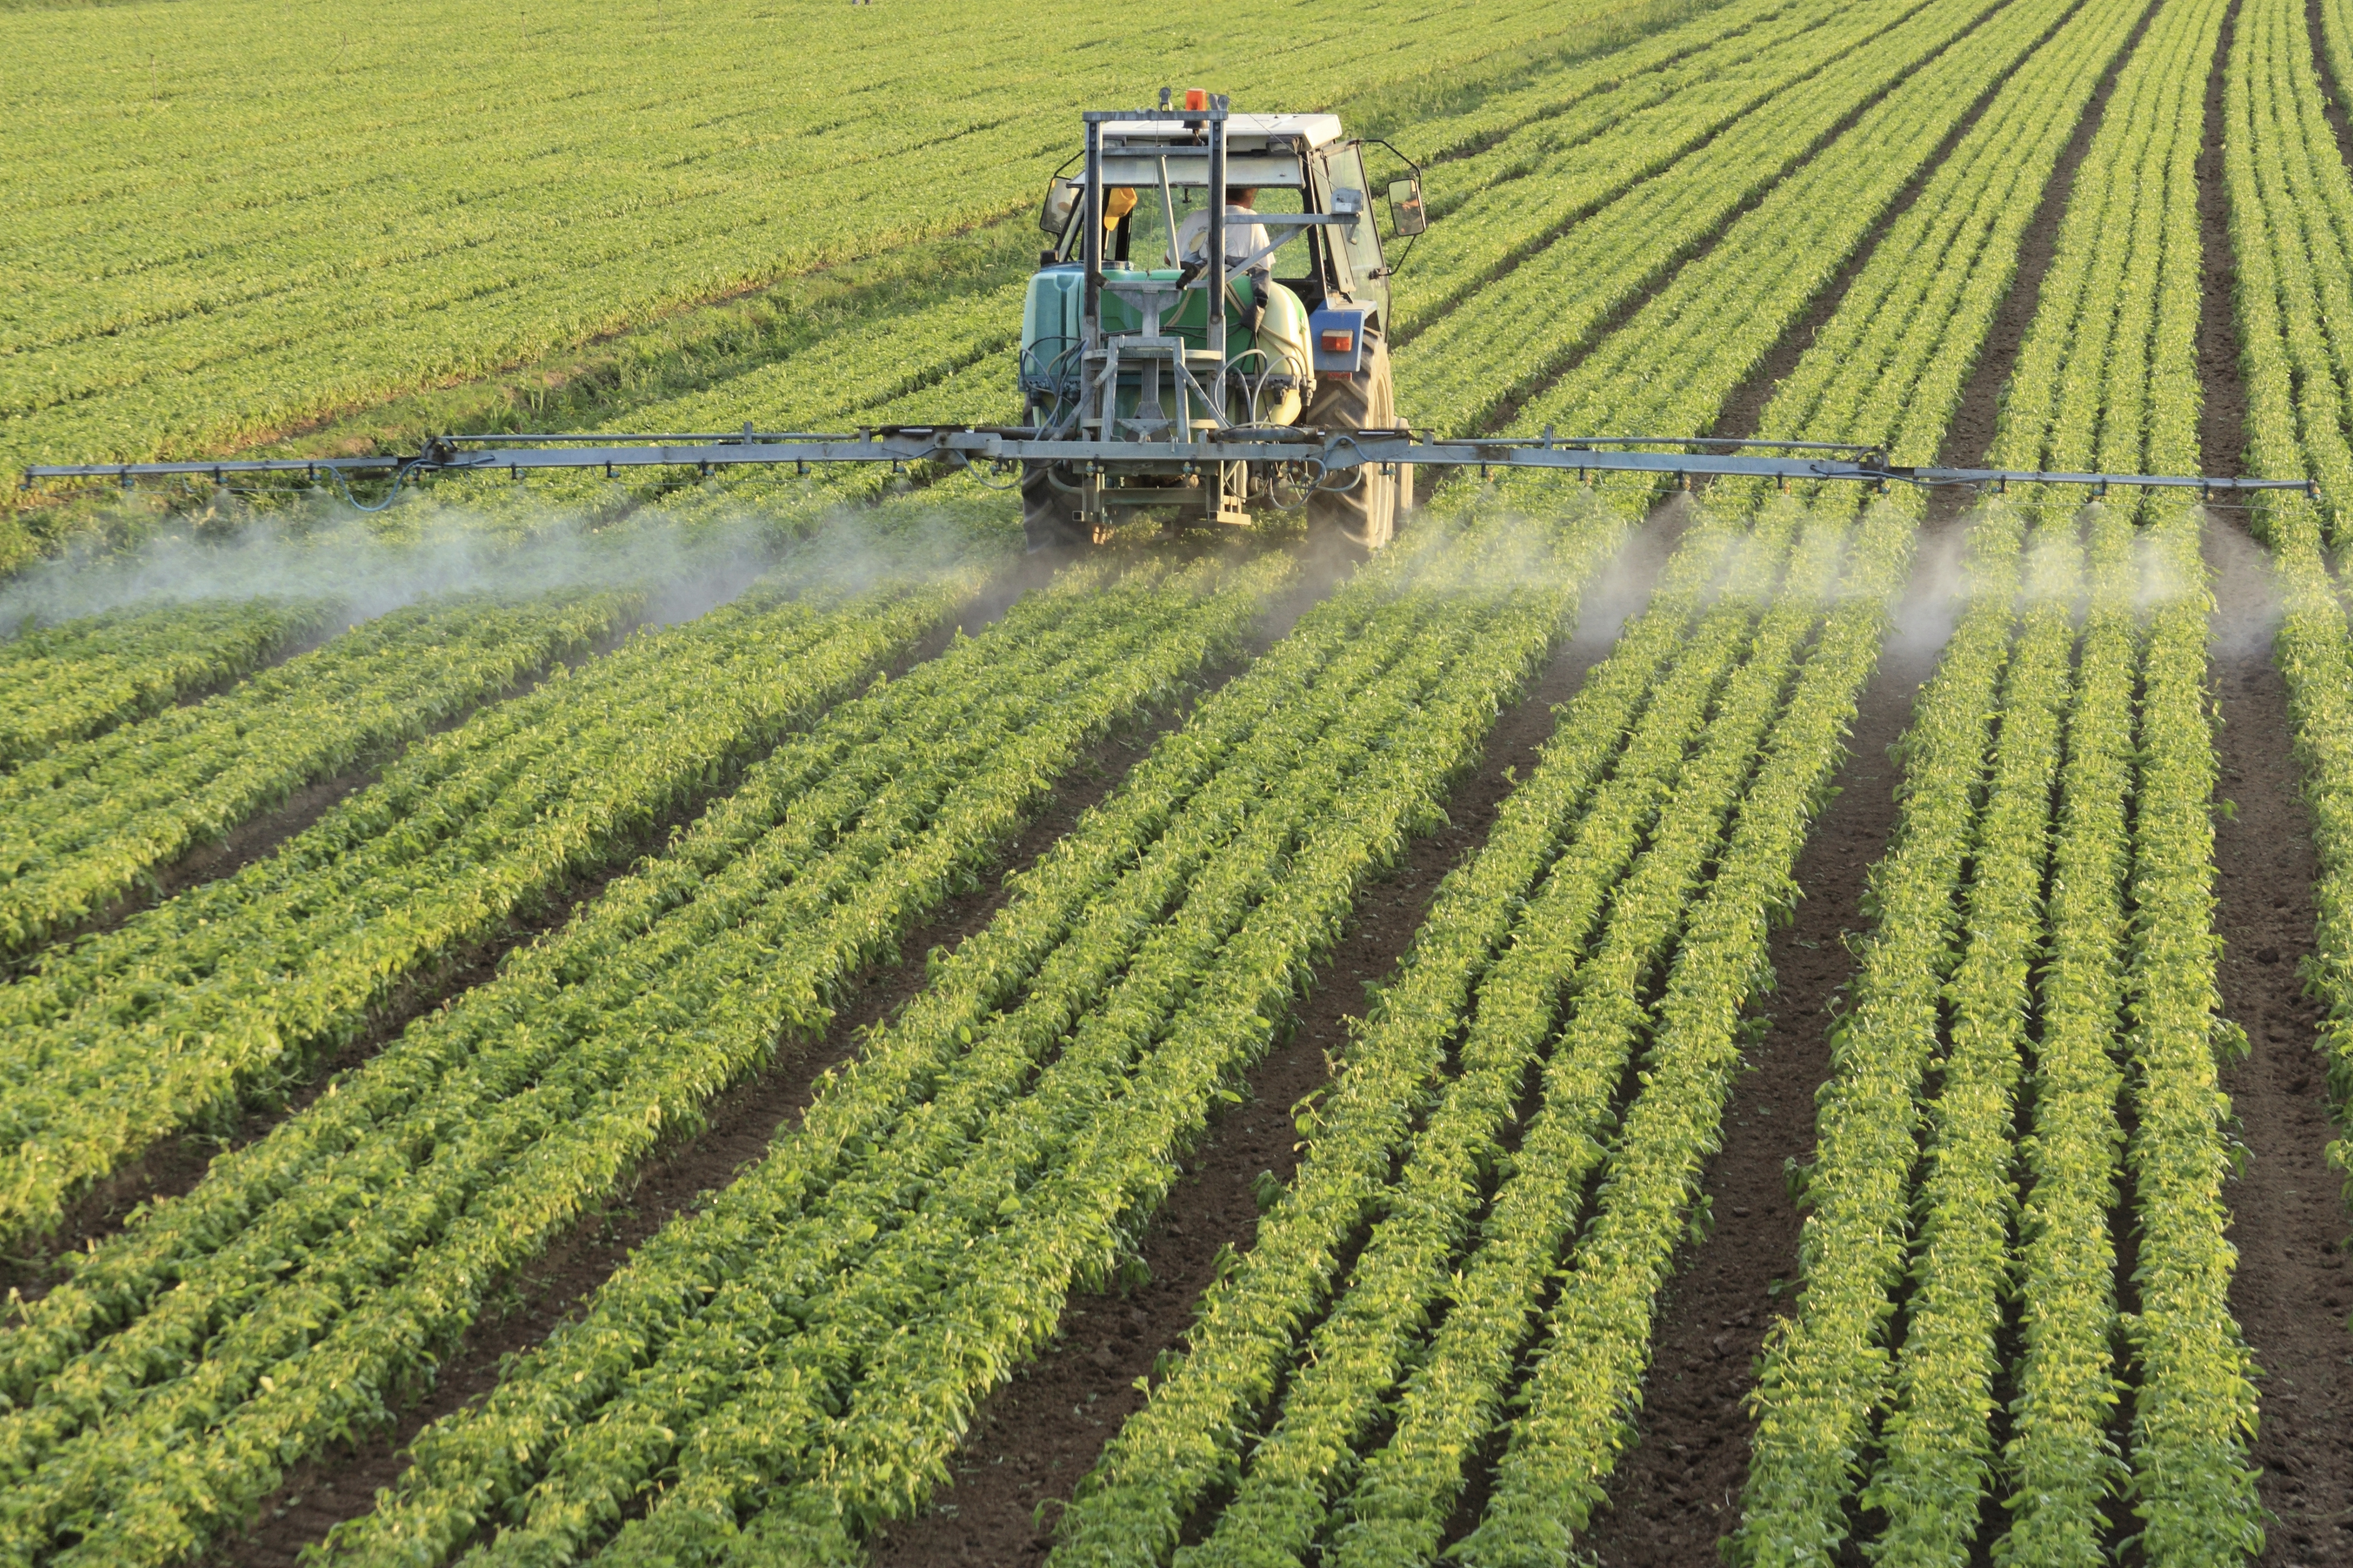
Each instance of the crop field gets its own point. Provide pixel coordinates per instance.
(677, 1018)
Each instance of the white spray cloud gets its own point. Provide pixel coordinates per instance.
(441, 549)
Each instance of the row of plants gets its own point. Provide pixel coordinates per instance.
(1825, 1370)
(1776, 257)
(1575, 1407)
(234, 987)
(2194, 1401)
(1476, 361)
(1948, 1263)
(1010, 1132)
(83, 677)
(1507, 928)
(1936, 1455)
(2194, 1407)
(1507, 202)
(1578, 1040)
(2278, 231)
(2059, 1465)
(261, 315)
(302, 1288)
(84, 826)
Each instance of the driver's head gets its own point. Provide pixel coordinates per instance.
(1241, 195)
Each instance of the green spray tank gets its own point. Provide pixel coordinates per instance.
(1267, 369)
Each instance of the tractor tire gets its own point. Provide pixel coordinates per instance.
(1050, 517)
(1363, 517)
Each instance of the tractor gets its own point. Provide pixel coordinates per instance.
(1131, 339)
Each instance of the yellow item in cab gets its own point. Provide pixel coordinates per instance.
(1118, 202)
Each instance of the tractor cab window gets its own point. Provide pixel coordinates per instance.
(1144, 238)
(1364, 275)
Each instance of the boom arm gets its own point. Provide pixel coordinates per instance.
(1316, 458)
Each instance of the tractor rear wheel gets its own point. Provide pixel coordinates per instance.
(1050, 517)
(1364, 516)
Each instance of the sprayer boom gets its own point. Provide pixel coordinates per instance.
(1306, 459)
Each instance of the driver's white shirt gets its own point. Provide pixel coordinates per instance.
(1243, 237)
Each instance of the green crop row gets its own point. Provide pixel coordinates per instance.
(1477, 361)
(1824, 1371)
(1655, 373)
(1593, 1346)
(2106, 378)
(2123, 295)
(1506, 204)
(2290, 203)
(1590, 797)
(2194, 1398)
(428, 239)
(2194, 1407)
(873, 1230)
(2282, 195)
(1168, 1457)
(73, 681)
(2061, 1465)
(1936, 1460)
(82, 828)
(1457, 1392)
(237, 983)
(309, 1275)
(1758, 276)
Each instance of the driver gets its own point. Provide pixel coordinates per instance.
(1243, 238)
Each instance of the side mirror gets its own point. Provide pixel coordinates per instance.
(1407, 217)
(1061, 198)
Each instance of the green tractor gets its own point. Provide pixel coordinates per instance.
(1131, 340)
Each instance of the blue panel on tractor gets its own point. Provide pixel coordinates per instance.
(1337, 333)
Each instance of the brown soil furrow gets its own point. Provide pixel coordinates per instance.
(2291, 1291)
(1034, 1438)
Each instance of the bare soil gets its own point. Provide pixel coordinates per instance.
(1033, 1440)
(2291, 1292)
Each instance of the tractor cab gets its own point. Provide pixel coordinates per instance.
(1130, 335)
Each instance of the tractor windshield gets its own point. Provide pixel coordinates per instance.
(1148, 236)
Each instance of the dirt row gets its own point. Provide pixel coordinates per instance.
(2289, 1220)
